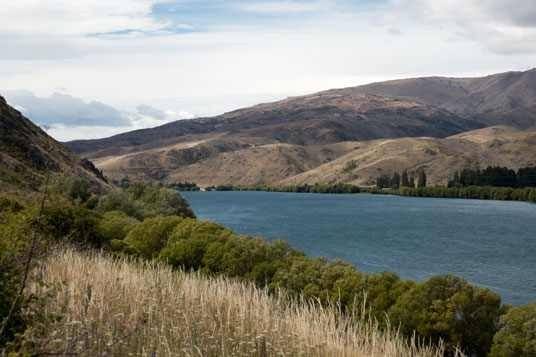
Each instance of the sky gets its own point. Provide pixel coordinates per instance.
(94, 68)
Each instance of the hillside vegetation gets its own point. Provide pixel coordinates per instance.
(27, 154)
(124, 306)
(150, 221)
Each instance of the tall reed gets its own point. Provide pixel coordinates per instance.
(126, 307)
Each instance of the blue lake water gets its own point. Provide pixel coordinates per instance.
(490, 243)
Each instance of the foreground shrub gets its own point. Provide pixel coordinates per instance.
(517, 335)
(446, 307)
(65, 223)
(115, 225)
(149, 237)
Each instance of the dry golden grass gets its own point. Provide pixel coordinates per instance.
(122, 307)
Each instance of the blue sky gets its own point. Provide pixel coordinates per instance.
(189, 58)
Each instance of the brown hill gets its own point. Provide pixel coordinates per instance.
(308, 120)
(492, 146)
(27, 153)
(300, 139)
(498, 93)
(289, 164)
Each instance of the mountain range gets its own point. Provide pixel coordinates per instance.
(375, 128)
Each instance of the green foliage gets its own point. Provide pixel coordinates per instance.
(21, 249)
(149, 237)
(144, 200)
(168, 202)
(422, 179)
(15, 238)
(74, 187)
(447, 307)
(190, 240)
(186, 186)
(517, 333)
(61, 223)
(495, 176)
(481, 192)
(317, 188)
(9, 205)
(115, 225)
(120, 201)
(404, 179)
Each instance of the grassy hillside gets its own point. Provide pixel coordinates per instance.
(27, 154)
(122, 307)
(286, 164)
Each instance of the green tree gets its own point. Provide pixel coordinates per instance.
(447, 307)
(115, 225)
(517, 334)
(148, 238)
(395, 183)
(422, 179)
(75, 187)
(168, 202)
(405, 180)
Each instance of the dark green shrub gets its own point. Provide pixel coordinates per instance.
(148, 238)
(447, 307)
(74, 187)
(517, 334)
(115, 225)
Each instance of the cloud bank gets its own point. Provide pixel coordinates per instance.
(503, 27)
(127, 52)
(67, 118)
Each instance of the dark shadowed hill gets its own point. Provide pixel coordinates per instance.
(308, 120)
(27, 153)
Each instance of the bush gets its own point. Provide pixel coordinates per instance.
(67, 223)
(447, 307)
(168, 202)
(190, 240)
(15, 239)
(115, 225)
(120, 201)
(75, 187)
(149, 237)
(517, 334)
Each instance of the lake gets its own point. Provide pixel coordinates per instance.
(490, 243)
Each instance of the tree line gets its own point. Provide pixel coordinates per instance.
(495, 176)
(400, 180)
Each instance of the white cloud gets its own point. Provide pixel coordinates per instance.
(286, 7)
(500, 26)
(394, 31)
(120, 53)
(75, 18)
(63, 108)
(67, 118)
(147, 110)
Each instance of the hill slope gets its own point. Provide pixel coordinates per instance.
(307, 120)
(466, 97)
(269, 143)
(27, 153)
(290, 164)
